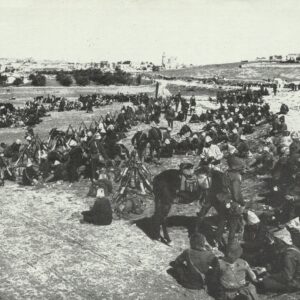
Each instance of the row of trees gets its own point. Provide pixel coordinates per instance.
(81, 77)
(84, 77)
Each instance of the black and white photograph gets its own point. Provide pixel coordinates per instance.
(149, 150)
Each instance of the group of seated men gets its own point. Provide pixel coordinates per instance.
(260, 252)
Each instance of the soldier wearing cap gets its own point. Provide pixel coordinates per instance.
(236, 167)
(295, 145)
(243, 147)
(211, 152)
(30, 175)
(192, 104)
(97, 152)
(170, 115)
(287, 279)
(193, 267)
(75, 160)
(254, 239)
(101, 212)
(234, 272)
(3, 167)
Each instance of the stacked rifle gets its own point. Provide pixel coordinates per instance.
(133, 176)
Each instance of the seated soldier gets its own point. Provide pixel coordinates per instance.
(30, 175)
(3, 167)
(192, 266)
(211, 152)
(254, 240)
(234, 137)
(271, 146)
(284, 142)
(282, 127)
(196, 145)
(194, 118)
(58, 172)
(184, 130)
(167, 149)
(180, 116)
(248, 128)
(183, 146)
(263, 160)
(101, 212)
(284, 109)
(287, 275)
(243, 147)
(45, 166)
(233, 274)
(295, 145)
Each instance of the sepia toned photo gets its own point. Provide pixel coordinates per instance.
(149, 150)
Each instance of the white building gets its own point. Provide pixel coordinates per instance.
(276, 58)
(293, 57)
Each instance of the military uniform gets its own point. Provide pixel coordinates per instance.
(288, 278)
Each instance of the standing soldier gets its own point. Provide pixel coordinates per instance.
(177, 100)
(184, 108)
(275, 89)
(89, 107)
(193, 104)
(97, 153)
(75, 161)
(236, 206)
(170, 116)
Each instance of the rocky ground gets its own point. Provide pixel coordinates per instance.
(46, 253)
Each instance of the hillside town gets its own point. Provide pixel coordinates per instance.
(289, 58)
(13, 69)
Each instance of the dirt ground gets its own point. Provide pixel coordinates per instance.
(45, 253)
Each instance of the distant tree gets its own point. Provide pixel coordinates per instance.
(139, 79)
(121, 77)
(18, 81)
(66, 80)
(37, 80)
(31, 77)
(82, 80)
(155, 68)
(3, 79)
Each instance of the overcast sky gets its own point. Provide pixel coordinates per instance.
(196, 31)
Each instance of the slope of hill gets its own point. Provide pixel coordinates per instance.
(234, 71)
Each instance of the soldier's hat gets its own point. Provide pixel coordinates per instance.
(186, 166)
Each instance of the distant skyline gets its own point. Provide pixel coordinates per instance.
(195, 31)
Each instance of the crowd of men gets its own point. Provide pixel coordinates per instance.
(30, 115)
(258, 255)
(34, 110)
(259, 252)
